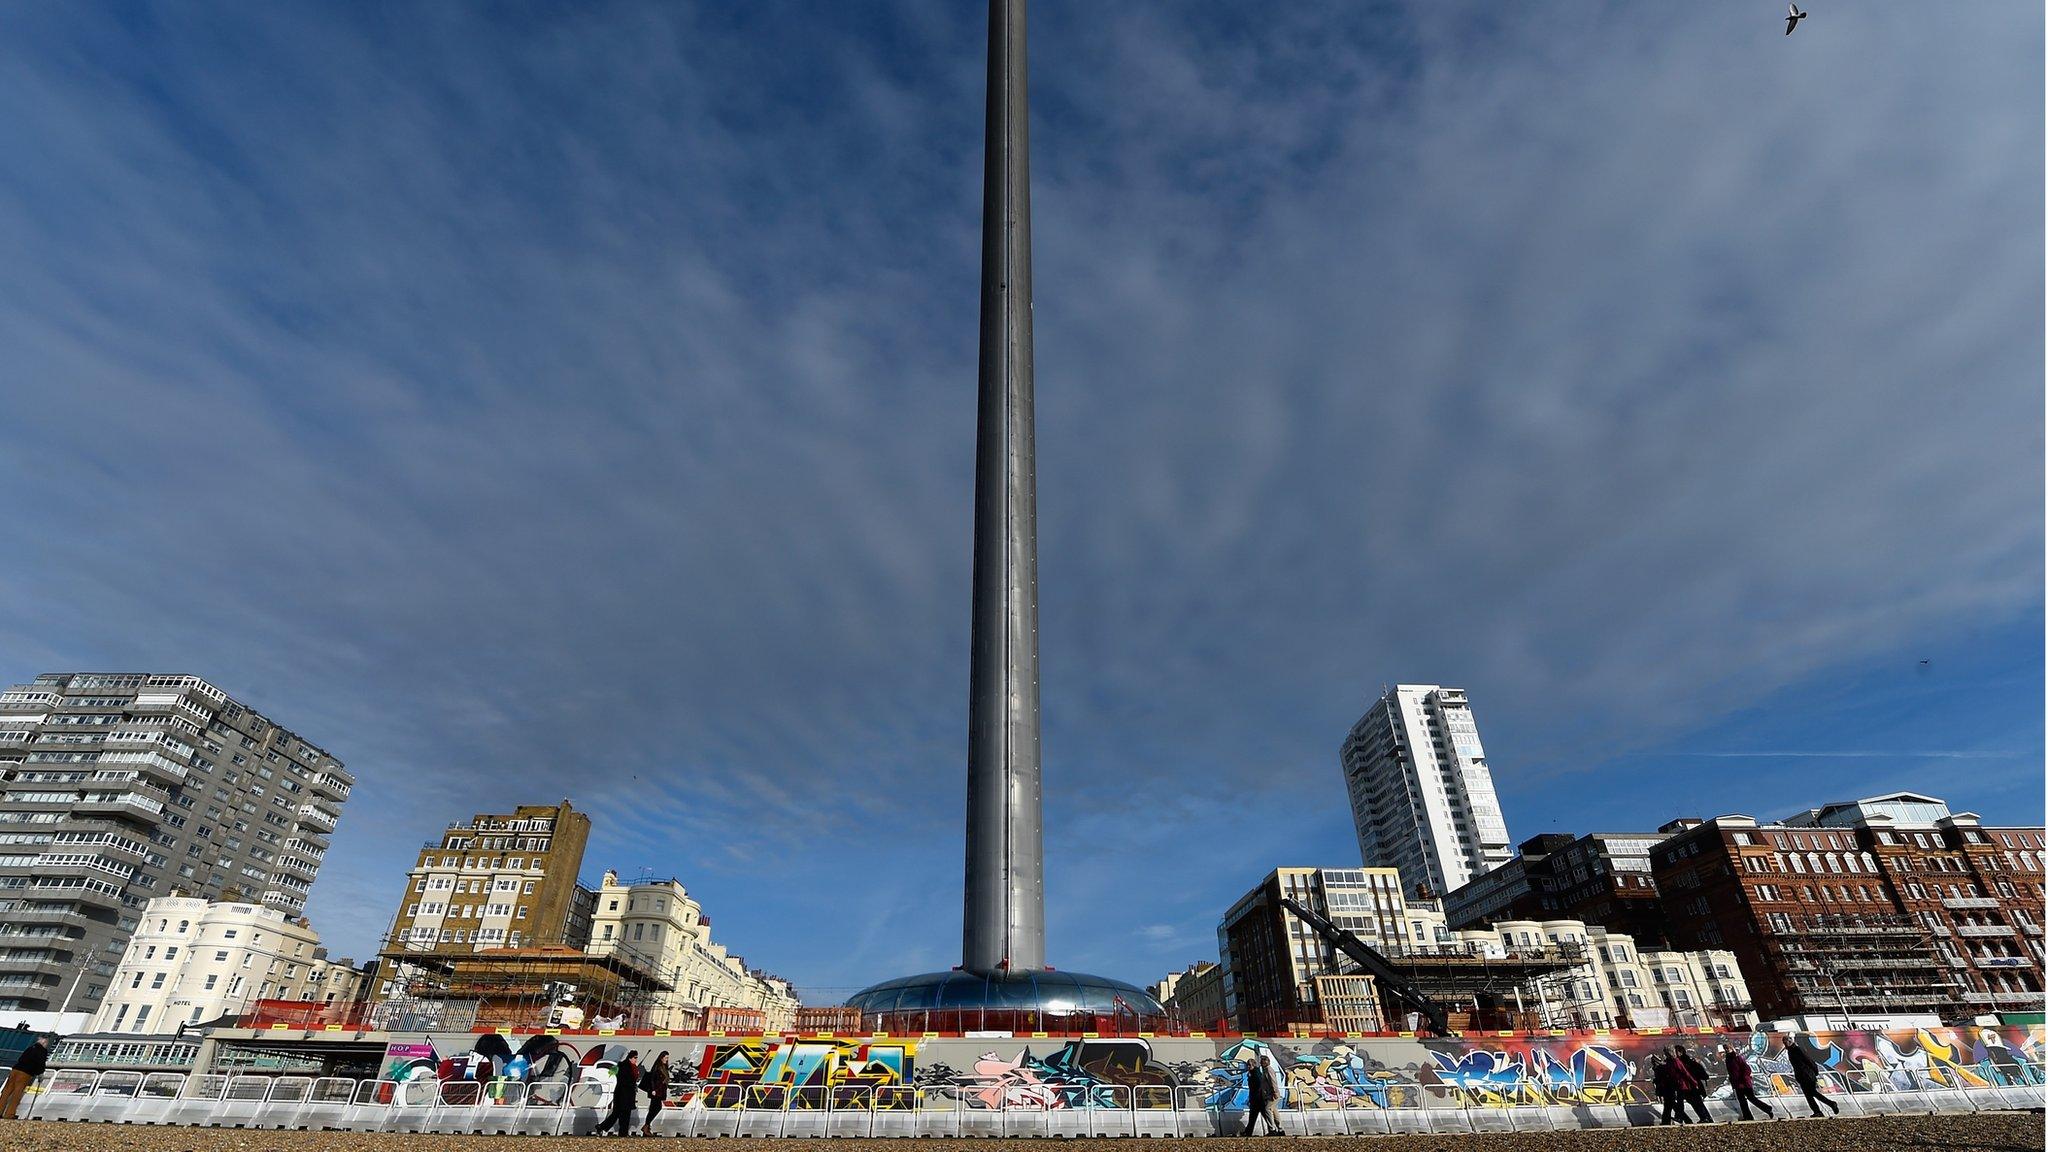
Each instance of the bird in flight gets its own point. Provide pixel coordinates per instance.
(1793, 20)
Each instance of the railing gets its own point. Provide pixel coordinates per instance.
(1382, 1106)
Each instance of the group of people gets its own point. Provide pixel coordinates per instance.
(1681, 1082)
(633, 1080)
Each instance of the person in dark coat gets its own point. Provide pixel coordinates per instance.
(621, 1115)
(1261, 1097)
(1666, 1082)
(1807, 1072)
(1742, 1082)
(30, 1064)
(655, 1084)
(1692, 1081)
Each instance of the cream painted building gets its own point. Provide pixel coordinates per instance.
(1620, 985)
(655, 926)
(192, 960)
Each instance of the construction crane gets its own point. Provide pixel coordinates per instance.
(1392, 984)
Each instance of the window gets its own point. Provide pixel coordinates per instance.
(157, 981)
(141, 1014)
(210, 982)
(220, 957)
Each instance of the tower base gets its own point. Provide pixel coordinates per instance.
(1044, 1001)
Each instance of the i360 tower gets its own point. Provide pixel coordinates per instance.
(1004, 922)
(1003, 981)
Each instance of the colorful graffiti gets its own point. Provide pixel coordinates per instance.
(1087, 1073)
(1164, 1072)
(1541, 1070)
(804, 1073)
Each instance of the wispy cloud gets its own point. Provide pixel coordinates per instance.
(528, 405)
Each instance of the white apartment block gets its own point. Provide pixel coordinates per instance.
(1421, 792)
(656, 926)
(120, 787)
(193, 961)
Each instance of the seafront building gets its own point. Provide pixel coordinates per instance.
(1421, 790)
(1601, 878)
(494, 928)
(194, 961)
(1871, 908)
(502, 880)
(656, 926)
(118, 788)
(1277, 973)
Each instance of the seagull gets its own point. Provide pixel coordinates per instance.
(1793, 20)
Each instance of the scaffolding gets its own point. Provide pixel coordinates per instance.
(1870, 963)
(548, 984)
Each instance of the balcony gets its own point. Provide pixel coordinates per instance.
(13, 736)
(83, 896)
(124, 804)
(318, 818)
(327, 784)
(296, 866)
(46, 916)
(1984, 930)
(28, 701)
(171, 703)
(1969, 902)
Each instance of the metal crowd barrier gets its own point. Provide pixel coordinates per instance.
(551, 1108)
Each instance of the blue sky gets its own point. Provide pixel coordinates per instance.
(528, 402)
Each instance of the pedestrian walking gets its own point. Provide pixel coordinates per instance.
(1692, 1081)
(620, 1118)
(655, 1084)
(1261, 1097)
(27, 1066)
(1742, 1082)
(1666, 1083)
(1807, 1073)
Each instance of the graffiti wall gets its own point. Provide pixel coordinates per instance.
(1188, 1072)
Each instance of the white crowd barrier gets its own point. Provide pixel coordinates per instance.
(559, 1109)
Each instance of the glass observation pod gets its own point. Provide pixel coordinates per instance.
(1047, 1001)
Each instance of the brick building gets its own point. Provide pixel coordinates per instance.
(1881, 906)
(1600, 878)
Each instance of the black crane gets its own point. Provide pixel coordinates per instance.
(1391, 983)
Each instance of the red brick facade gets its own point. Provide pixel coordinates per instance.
(1852, 908)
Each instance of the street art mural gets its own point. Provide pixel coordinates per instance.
(1085, 1073)
(998, 1073)
(1534, 1070)
(773, 1073)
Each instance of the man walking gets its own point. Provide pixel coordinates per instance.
(27, 1066)
(1667, 1089)
(621, 1115)
(1807, 1072)
(1742, 1082)
(1261, 1097)
(1692, 1081)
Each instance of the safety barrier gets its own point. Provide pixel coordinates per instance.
(556, 1108)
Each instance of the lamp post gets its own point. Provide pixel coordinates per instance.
(1827, 968)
